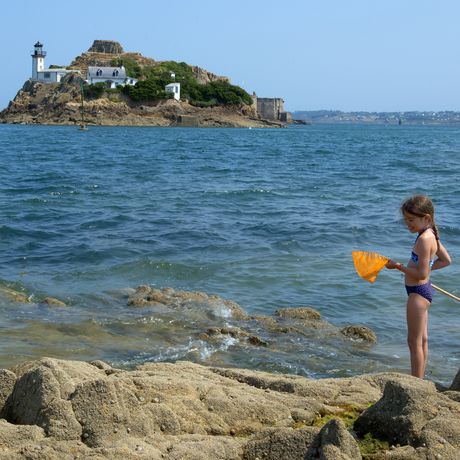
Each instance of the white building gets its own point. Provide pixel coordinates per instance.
(175, 89)
(39, 73)
(112, 76)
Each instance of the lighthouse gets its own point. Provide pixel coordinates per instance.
(38, 60)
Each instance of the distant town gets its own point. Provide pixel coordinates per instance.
(415, 117)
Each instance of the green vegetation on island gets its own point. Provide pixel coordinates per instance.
(153, 79)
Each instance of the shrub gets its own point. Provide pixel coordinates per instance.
(133, 69)
(153, 80)
(94, 91)
(217, 92)
(147, 90)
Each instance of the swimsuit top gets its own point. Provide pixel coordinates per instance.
(414, 256)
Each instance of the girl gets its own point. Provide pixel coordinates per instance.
(418, 214)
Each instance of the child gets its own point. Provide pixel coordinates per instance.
(418, 214)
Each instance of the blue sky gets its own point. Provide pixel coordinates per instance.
(392, 55)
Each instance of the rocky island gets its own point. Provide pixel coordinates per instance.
(72, 96)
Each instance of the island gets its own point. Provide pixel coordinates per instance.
(108, 86)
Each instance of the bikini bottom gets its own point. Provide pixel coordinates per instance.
(425, 290)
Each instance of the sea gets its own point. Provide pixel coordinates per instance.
(266, 218)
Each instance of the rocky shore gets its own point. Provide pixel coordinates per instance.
(57, 409)
(63, 409)
(60, 104)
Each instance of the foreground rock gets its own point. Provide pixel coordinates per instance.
(57, 409)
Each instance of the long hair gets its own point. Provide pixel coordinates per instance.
(420, 206)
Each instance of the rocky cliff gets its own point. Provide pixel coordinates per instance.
(60, 103)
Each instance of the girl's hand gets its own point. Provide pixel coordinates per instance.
(391, 265)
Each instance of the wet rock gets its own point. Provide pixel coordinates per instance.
(234, 332)
(298, 313)
(51, 301)
(13, 295)
(145, 296)
(136, 301)
(231, 331)
(303, 318)
(257, 341)
(143, 289)
(272, 325)
(455, 386)
(359, 333)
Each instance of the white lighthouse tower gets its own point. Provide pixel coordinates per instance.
(38, 60)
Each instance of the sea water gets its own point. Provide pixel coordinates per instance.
(266, 218)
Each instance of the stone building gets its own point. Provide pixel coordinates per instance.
(272, 108)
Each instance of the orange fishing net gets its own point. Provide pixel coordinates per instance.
(368, 264)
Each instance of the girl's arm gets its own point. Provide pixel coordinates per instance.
(422, 270)
(443, 259)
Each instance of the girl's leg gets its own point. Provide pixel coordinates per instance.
(425, 341)
(417, 333)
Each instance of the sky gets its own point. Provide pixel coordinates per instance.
(350, 55)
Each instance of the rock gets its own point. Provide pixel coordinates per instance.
(306, 317)
(54, 302)
(7, 382)
(235, 332)
(106, 46)
(12, 435)
(455, 386)
(145, 296)
(412, 412)
(13, 295)
(41, 397)
(334, 442)
(298, 313)
(257, 341)
(276, 444)
(359, 333)
(69, 409)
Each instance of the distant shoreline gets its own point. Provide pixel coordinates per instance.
(410, 118)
